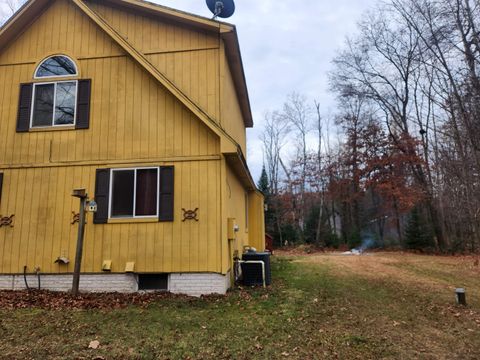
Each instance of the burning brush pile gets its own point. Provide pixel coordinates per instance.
(367, 243)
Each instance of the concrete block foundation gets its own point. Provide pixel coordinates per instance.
(193, 284)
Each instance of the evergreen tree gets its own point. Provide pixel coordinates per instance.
(417, 234)
(263, 183)
(264, 187)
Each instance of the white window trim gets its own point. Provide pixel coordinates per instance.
(54, 104)
(55, 76)
(110, 197)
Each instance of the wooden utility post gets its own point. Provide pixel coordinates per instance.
(82, 195)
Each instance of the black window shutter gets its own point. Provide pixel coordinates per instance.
(166, 193)
(1, 183)
(83, 104)
(24, 107)
(102, 192)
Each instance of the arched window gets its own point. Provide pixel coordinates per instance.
(58, 65)
(54, 101)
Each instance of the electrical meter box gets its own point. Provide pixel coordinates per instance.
(231, 228)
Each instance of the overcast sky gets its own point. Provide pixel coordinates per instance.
(287, 45)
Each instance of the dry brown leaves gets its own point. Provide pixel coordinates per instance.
(61, 300)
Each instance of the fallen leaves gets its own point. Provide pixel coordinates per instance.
(60, 300)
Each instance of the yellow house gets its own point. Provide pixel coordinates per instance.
(146, 108)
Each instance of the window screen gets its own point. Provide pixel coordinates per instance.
(147, 192)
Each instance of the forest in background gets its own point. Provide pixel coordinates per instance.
(398, 164)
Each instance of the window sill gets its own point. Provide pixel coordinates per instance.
(133, 220)
(52, 128)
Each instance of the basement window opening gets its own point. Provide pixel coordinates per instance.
(157, 282)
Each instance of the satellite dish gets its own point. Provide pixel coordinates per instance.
(221, 8)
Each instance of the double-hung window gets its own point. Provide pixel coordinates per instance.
(134, 193)
(54, 104)
(54, 101)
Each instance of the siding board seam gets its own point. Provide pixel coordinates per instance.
(153, 52)
(109, 162)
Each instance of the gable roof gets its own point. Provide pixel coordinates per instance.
(33, 8)
(228, 32)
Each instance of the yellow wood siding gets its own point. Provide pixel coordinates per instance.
(189, 58)
(235, 203)
(232, 118)
(133, 122)
(61, 28)
(140, 118)
(256, 220)
(42, 203)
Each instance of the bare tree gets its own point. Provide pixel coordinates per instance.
(297, 113)
(321, 189)
(382, 65)
(408, 86)
(274, 139)
(449, 36)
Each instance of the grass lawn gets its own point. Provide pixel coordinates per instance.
(322, 306)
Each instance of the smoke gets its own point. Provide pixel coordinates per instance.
(367, 243)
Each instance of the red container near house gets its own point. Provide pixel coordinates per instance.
(269, 242)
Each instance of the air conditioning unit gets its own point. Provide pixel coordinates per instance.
(252, 271)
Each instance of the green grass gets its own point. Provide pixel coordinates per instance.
(313, 311)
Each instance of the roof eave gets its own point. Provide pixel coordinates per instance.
(239, 165)
(168, 13)
(234, 55)
(19, 21)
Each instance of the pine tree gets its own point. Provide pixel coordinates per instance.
(417, 234)
(263, 183)
(264, 187)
